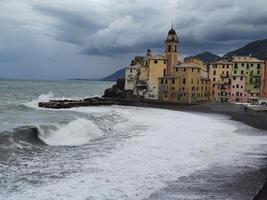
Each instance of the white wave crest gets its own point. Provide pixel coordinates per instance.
(41, 98)
(77, 132)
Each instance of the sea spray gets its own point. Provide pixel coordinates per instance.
(77, 132)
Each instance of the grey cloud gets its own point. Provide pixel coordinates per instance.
(76, 36)
(70, 27)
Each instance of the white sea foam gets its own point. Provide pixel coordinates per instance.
(77, 132)
(41, 98)
(168, 145)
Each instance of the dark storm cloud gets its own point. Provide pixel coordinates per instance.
(70, 27)
(58, 38)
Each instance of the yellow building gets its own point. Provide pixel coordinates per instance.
(142, 76)
(184, 82)
(157, 68)
(185, 85)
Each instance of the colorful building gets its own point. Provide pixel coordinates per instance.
(238, 89)
(185, 85)
(250, 70)
(264, 81)
(142, 76)
(183, 82)
(220, 76)
(168, 78)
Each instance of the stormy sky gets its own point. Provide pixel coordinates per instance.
(59, 39)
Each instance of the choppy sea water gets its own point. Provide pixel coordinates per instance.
(115, 152)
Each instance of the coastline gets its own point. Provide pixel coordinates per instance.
(236, 113)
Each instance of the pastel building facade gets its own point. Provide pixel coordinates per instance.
(142, 76)
(184, 82)
(220, 76)
(238, 89)
(185, 85)
(251, 70)
(264, 81)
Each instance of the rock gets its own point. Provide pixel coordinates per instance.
(117, 91)
(59, 104)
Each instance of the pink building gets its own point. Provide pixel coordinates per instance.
(238, 92)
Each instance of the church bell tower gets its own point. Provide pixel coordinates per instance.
(172, 52)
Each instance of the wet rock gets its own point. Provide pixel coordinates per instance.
(59, 104)
(117, 91)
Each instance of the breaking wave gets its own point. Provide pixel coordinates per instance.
(41, 98)
(77, 132)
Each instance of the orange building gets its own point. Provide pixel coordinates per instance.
(264, 80)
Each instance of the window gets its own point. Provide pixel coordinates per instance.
(164, 72)
(247, 66)
(258, 66)
(214, 72)
(235, 65)
(176, 69)
(166, 81)
(241, 94)
(242, 64)
(258, 72)
(192, 70)
(192, 81)
(175, 48)
(155, 62)
(184, 70)
(223, 67)
(242, 72)
(173, 81)
(241, 78)
(234, 78)
(214, 79)
(184, 80)
(237, 86)
(161, 81)
(165, 62)
(227, 73)
(251, 64)
(233, 86)
(131, 70)
(241, 86)
(198, 70)
(169, 48)
(235, 72)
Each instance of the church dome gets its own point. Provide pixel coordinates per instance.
(172, 32)
(172, 36)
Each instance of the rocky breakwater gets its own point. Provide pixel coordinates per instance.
(117, 91)
(59, 104)
(115, 95)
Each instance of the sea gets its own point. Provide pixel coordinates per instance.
(120, 152)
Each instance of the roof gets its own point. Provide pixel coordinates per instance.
(245, 59)
(158, 57)
(133, 67)
(188, 65)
